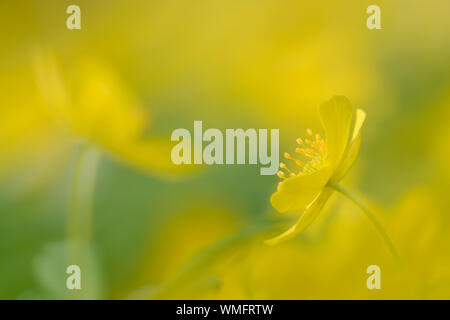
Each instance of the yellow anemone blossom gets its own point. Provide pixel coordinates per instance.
(308, 185)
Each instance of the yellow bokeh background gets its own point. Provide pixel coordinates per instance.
(137, 70)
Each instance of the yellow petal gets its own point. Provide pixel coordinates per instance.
(308, 216)
(348, 160)
(336, 115)
(298, 192)
(353, 149)
(359, 120)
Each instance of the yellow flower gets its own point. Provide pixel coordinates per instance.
(98, 107)
(324, 163)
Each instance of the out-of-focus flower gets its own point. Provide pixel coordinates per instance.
(308, 187)
(96, 106)
(194, 234)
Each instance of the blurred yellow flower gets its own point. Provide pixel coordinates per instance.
(98, 107)
(309, 186)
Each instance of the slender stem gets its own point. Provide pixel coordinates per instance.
(371, 217)
(82, 185)
(81, 194)
(79, 216)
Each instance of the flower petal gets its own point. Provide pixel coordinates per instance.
(308, 216)
(298, 192)
(353, 149)
(336, 115)
(359, 120)
(348, 160)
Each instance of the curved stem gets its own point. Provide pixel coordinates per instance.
(371, 217)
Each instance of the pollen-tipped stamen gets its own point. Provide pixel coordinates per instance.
(313, 149)
(318, 138)
(307, 152)
(300, 142)
(281, 175)
(283, 166)
(289, 157)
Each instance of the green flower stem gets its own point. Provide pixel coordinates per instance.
(79, 215)
(82, 187)
(371, 217)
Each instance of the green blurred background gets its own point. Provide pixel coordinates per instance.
(163, 232)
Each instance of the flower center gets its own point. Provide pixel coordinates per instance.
(312, 151)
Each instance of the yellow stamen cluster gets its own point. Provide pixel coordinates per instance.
(313, 151)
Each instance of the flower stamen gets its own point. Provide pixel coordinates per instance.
(283, 166)
(313, 150)
(300, 142)
(289, 157)
(281, 175)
